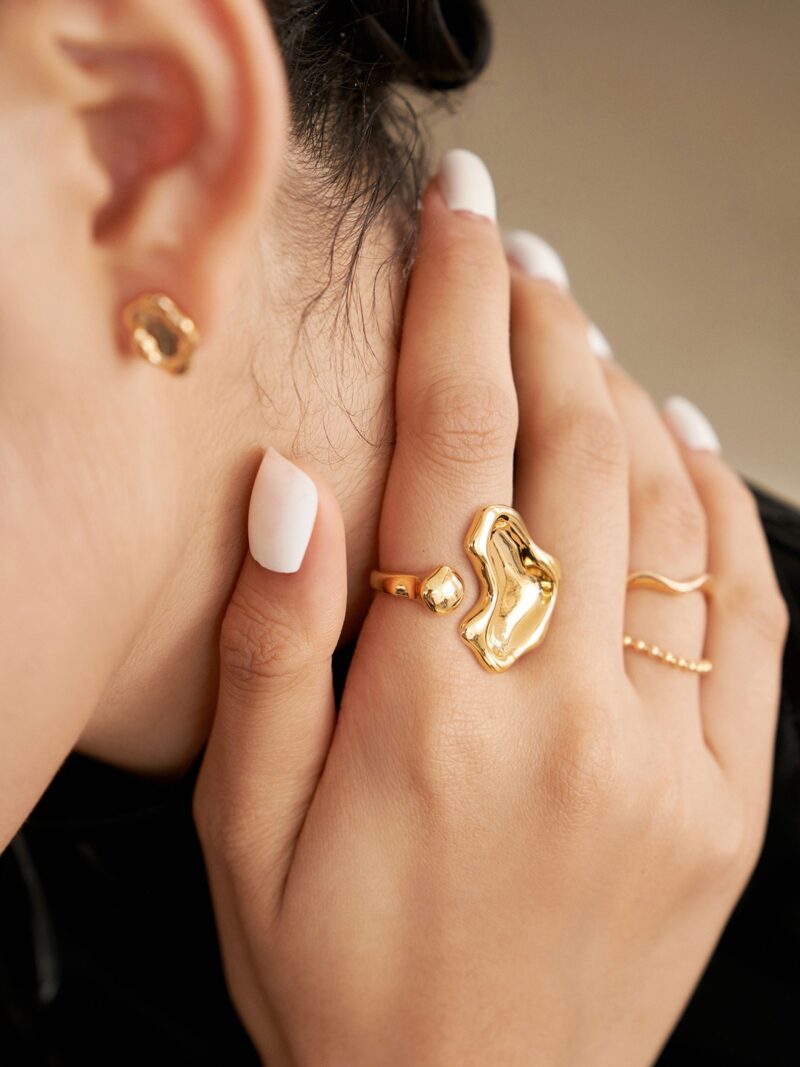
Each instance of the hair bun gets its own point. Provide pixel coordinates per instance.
(432, 44)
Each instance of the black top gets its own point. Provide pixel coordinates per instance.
(108, 952)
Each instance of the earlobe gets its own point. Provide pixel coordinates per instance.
(160, 332)
(188, 123)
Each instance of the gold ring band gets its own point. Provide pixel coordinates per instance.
(669, 659)
(659, 583)
(442, 591)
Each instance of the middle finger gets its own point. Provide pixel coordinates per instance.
(571, 477)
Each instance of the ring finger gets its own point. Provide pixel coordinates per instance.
(668, 536)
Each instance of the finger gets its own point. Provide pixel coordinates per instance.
(571, 479)
(456, 405)
(275, 712)
(668, 536)
(747, 617)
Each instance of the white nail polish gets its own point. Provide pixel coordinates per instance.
(466, 184)
(536, 257)
(598, 343)
(690, 425)
(283, 509)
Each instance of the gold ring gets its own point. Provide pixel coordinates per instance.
(661, 584)
(519, 583)
(442, 591)
(669, 659)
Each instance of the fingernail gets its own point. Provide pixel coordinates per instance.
(690, 425)
(466, 184)
(598, 342)
(536, 257)
(283, 509)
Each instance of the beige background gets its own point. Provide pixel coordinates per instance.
(656, 145)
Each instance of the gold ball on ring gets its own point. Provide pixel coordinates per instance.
(442, 591)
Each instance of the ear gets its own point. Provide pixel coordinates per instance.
(184, 109)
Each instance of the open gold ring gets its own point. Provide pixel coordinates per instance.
(442, 591)
(519, 583)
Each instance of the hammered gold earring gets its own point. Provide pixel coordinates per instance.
(160, 332)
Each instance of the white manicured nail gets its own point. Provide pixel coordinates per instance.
(690, 425)
(283, 509)
(598, 343)
(536, 258)
(466, 184)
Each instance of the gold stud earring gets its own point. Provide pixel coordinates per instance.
(160, 332)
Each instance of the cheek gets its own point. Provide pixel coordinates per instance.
(50, 300)
(90, 464)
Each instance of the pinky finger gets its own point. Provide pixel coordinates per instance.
(747, 619)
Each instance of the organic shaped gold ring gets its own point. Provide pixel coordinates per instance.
(442, 591)
(519, 583)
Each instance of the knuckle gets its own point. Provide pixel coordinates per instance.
(547, 310)
(725, 849)
(713, 847)
(202, 807)
(672, 506)
(467, 421)
(260, 643)
(451, 754)
(586, 441)
(754, 833)
(768, 616)
(582, 770)
(781, 619)
(211, 820)
(765, 612)
(228, 824)
(226, 838)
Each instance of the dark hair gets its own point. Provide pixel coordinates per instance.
(347, 62)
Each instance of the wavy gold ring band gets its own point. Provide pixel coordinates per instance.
(661, 584)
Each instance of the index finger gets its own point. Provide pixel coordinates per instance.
(456, 402)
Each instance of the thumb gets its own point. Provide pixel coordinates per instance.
(275, 713)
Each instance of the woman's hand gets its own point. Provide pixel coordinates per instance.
(524, 868)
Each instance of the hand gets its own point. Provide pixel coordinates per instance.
(467, 868)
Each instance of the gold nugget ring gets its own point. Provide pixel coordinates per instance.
(519, 584)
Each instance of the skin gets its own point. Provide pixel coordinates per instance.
(465, 868)
(124, 492)
(144, 149)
